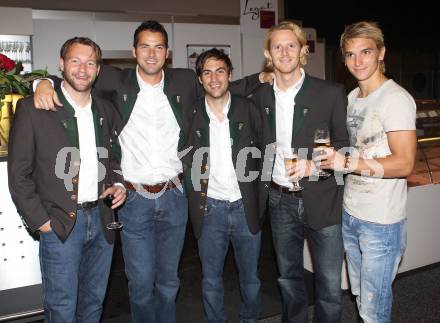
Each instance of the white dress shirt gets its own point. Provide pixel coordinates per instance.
(284, 105)
(223, 183)
(88, 174)
(150, 138)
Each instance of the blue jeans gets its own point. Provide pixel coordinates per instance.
(373, 253)
(225, 221)
(152, 240)
(288, 231)
(75, 273)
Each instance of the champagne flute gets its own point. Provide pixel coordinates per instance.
(115, 224)
(290, 158)
(322, 140)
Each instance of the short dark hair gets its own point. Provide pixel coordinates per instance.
(153, 26)
(83, 41)
(212, 53)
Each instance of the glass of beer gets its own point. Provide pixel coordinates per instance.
(290, 158)
(322, 140)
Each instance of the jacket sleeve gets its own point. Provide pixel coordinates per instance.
(339, 120)
(20, 168)
(245, 86)
(107, 80)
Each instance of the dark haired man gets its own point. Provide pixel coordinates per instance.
(156, 104)
(224, 204)
(75, 246)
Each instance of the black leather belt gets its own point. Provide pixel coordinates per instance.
(285, 190)
(87, 205)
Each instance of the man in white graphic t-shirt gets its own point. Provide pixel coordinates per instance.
(381, 126)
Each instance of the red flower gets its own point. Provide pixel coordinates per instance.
(6, 64)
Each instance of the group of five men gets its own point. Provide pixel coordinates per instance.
(217, 151)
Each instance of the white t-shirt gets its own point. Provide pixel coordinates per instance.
(388, 108)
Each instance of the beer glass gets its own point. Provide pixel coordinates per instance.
(322, 140)
(290, 158)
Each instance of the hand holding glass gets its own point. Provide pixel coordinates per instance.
(108, 200)
(322, 140)
(290, 159)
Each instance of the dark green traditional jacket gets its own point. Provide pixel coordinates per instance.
(318, 104)
(44, 163)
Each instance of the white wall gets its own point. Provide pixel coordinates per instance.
(9, 18)
(50, 34)
(118, 35)
(253, 57)
(204, 35)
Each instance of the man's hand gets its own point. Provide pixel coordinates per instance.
(328, 158)
(45, 227)
(302, 168)
(45, 97)
(265, 77)
(118, 192)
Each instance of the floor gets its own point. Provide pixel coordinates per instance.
(416, 293)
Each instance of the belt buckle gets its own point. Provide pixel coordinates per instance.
(87, 205)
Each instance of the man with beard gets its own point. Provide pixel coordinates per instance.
(64, 208)
(295, 106)
(156, 104)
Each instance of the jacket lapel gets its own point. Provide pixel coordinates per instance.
(129, 98)
(271, 111)
(203, 132)
(66, 115)
(173, 99)
(98, 121)
(235, 127)
(301, 109)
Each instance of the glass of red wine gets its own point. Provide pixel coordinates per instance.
(108, 200)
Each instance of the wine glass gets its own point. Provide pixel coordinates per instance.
(322, 140)
(115, 224)
(290, 158)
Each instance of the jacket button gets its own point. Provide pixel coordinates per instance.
(202, 194)
(74, 180)
(73, 197)
(71, 214)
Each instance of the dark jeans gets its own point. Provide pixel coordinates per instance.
(75, 272)
(288, 230)
(224, 222)
(152, 241)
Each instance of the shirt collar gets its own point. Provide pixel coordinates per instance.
(145, 86)
(295, 87)
(225, 109)
(78, 110)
